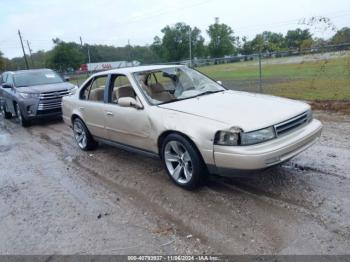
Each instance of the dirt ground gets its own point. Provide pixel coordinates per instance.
(56, 199)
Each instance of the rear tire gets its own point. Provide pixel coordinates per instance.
(7, 115)
(21, 120)
(183, 162)
(82, 135)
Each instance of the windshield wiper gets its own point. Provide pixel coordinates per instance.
(201, 94)
(209, 92)
(170, 101)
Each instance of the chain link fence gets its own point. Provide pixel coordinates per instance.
(321, 73)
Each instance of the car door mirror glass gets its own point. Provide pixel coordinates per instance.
(129, 102)
(66, 78)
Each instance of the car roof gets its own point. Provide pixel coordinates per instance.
(135, 69)
(29, 71)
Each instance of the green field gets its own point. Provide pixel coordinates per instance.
(318, 77)
(307, 79)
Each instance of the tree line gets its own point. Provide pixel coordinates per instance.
(173, 46)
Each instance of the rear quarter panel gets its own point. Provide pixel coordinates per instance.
(68, 109)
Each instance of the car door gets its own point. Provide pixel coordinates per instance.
(126, 125)
(2, 91)
(8, 94)
(92, 105)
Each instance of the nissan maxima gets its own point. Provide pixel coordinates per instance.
(191, 122)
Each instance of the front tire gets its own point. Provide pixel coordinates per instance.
(7, 115)
(21, 120)
(82, 135)
(183, 162)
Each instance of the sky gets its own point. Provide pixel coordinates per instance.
(115, 22)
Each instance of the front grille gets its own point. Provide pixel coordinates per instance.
(49, 111)
(292, 123)
(51, 100)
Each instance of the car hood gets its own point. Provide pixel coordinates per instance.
(45, 88)
(240, 109)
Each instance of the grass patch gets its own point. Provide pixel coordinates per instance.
(311, 80)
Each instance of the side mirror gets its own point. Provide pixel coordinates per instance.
(66, 78)
(129, 102)
(219, 82)
(6, 85)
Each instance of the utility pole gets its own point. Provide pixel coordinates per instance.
(88, 50)
(260, 74)
(190, 44)
(24, 53)
(30, 52)
(89, 54)
(129, 50)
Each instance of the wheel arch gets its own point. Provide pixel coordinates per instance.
(74, 116)
(168, 132)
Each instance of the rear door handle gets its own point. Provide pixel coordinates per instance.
(109, 113)
(81, 108)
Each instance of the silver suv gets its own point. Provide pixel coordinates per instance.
(29, 94)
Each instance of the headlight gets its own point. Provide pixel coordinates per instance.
(73, 90)
(310, 116)
(228, 138)
(258, 136)
(28, 95)
(235, 136)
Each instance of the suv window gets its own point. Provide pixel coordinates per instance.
(94, 90)
(9, 79)
(121, 88)
(3, 78)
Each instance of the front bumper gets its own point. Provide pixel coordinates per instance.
(264, 155)
(29, 108)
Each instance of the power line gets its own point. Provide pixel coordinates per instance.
(284, 23)
(240, 30)
(277, 24)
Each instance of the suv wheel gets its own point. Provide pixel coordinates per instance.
(21, 120)
(7, 115)
(182, 162)
(82, 135)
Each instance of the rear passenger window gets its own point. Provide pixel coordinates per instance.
(95, 89)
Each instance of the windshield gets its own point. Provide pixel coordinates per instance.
(33, 78)
(174, 84)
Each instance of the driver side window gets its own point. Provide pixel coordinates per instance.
(9, 79)
(3, 78)
(121, 88)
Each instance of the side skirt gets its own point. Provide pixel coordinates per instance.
(128, 148)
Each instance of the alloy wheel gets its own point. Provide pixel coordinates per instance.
(80, 134)
(178, 162)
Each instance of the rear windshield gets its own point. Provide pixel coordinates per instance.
(36, 78)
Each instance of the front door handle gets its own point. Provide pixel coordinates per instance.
(81, 108)
(109, 113)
